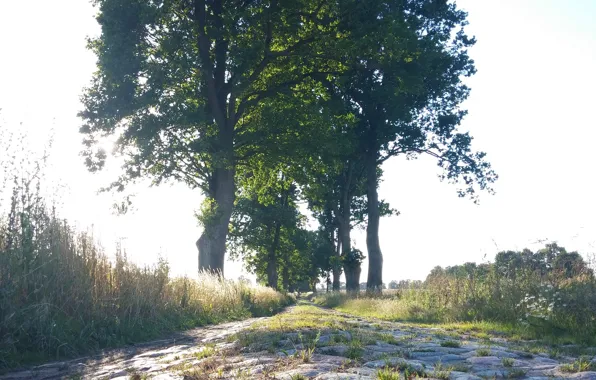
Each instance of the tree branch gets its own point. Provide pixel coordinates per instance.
(207, 65)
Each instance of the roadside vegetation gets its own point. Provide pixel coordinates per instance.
(61, 295)
(549, 295)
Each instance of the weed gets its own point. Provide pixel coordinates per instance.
(355, 350)
(309, 347)
(388, 338)
(205, 352)
(507, 362)
(483, 352)
(450, 343)
(515, 373)
(388, 374)
(580, 365)
(298, 376)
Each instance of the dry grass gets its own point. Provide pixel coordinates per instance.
(61, 296)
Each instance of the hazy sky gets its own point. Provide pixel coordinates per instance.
(531, 109)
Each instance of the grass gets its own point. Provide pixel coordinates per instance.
(515, 373)
(393, 371)
(62, 296)
(483, 352)
(412, 313)
(582, 364)
(205, 353)
(507, 362)
(355, 350)
(450, 343)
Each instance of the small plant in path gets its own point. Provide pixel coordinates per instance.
(355, 350)
(387, 374)
(515, 373)
(450, 343)
(507, 362)
(483, 352)
(309, 348)
(205, 352)
(580, 365)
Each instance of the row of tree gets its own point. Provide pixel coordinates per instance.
(268, 106)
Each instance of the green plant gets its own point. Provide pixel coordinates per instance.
(63, 296)
(483, 352)
(515, 373)
(387, 374)
(354, 350)
(205, 352)
(507, 362)
(309, 347)
(389, 338)
(298, 376)
(580, 365)
(450, 343)
(441, 371)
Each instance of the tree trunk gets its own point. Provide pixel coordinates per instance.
(212, 243)
(375, 257)
(353, 278)
(285, 278)
(336, 267)
(351, 269)
(272, 259)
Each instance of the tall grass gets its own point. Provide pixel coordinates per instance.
(61, 296)
(547, 294)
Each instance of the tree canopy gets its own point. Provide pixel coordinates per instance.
(264, 104)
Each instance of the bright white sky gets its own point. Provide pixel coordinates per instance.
(531, 109)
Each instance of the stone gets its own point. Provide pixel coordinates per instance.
(415, 364)
(339, 376)
(484, 360)
(455, 375)
(591, 375)
(166, 376)
(339, 350)
(383, 347)
(447, 358)
(324, 340)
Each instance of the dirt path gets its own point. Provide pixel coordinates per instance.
(307, 342)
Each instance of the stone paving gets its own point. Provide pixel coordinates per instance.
(366, 350)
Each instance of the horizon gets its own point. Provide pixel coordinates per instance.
(527, 110)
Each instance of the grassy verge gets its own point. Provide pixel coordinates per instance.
(414, 314)
(61, 297)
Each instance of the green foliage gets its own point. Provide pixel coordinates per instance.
(580, 365)
(179, 88)
(450, 343)
(524, 290)
(483, 352)
(507, 362)
(268, 232)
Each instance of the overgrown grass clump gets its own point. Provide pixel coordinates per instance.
(61, 296)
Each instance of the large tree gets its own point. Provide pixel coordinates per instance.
(405, 87)
(189, 86)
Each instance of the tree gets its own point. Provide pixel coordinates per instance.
(268, 230)
(265, 219)
(336, 191)
(404, 85)
(188, 87)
